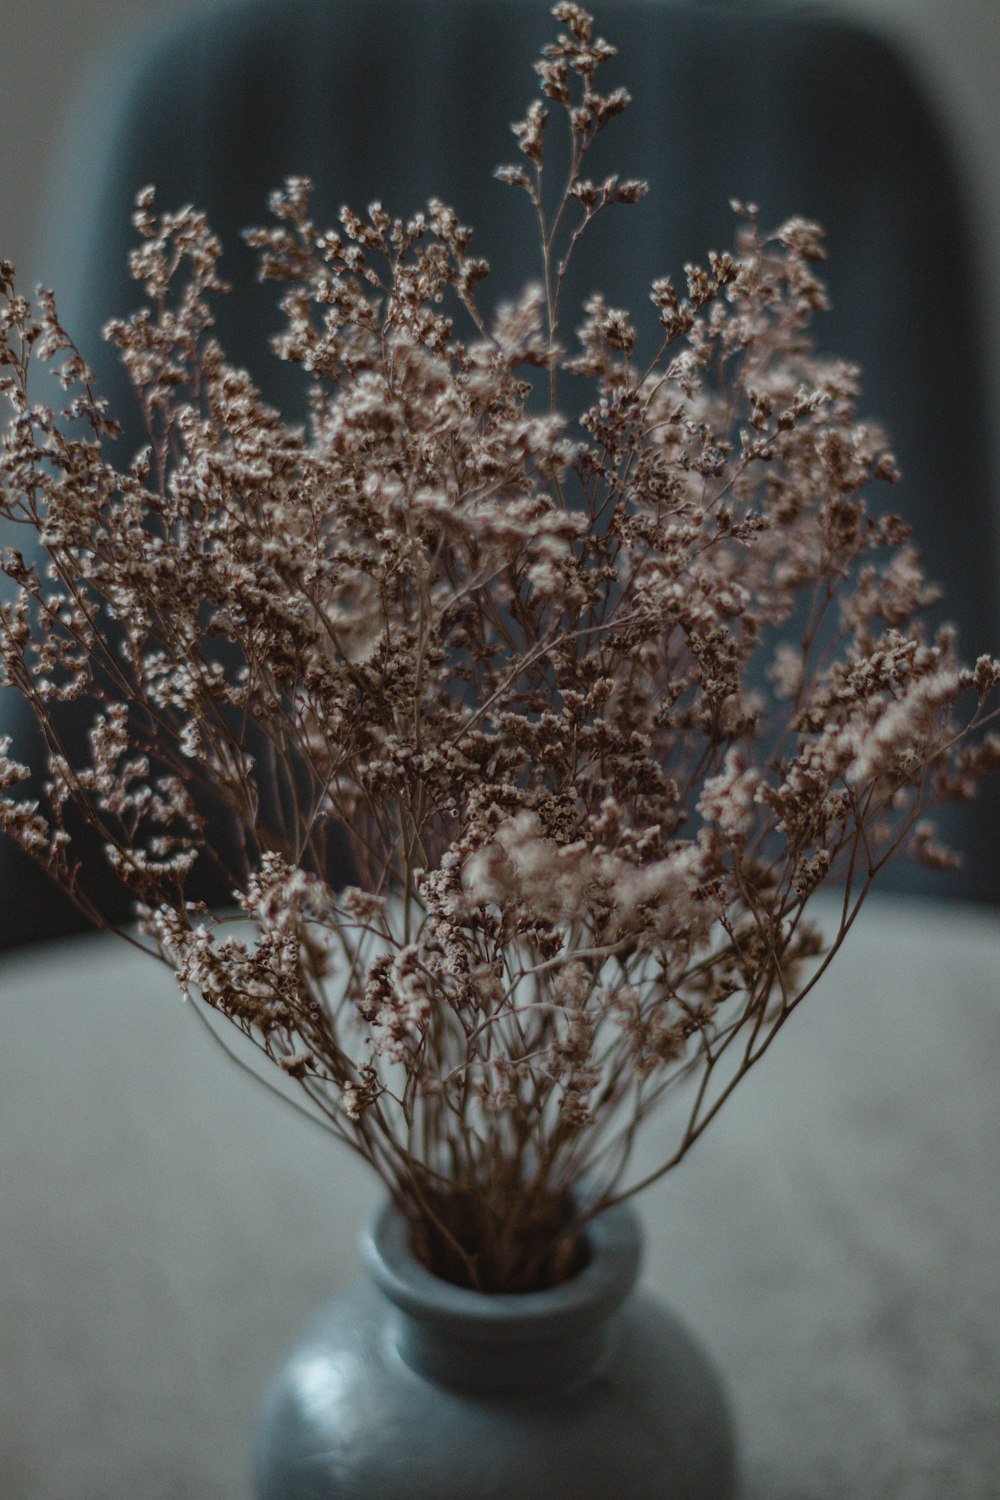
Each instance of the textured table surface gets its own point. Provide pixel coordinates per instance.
(834, 1240)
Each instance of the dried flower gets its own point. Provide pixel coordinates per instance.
(595, 705)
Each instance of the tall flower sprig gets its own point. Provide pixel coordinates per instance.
(593, 705)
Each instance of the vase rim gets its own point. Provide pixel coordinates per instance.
(615, 1246)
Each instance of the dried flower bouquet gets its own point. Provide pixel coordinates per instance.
(596, 704)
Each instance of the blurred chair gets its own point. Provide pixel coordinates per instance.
(400, 100)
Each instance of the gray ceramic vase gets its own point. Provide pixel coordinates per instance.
(409, 1388)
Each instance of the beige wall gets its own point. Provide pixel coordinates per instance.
(954, 45)
(48, 50)
(48, 46)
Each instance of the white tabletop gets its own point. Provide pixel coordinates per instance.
(167, 1226)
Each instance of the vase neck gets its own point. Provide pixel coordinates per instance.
(494, 1365)
(494, 1342)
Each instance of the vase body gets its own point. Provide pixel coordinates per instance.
(409, 1388)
